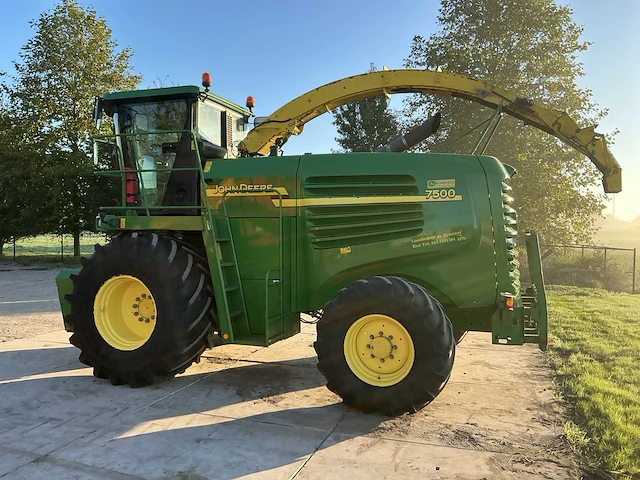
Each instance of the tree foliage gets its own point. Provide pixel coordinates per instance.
(365, 125)
(71, 58)
(25, 188)
(530, 47)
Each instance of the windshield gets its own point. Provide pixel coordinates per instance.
(149, 149)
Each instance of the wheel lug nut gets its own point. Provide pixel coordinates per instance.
(391, 357)
(136, 313)
(382, 360)
(153, 317)
(137, 299)
(147, 320)
(371, 337)
(144, 295)
(395, 347)
(135, 305)
(368, 346)
(140, 319)
(381, 333)
(390, 337)
(373, 356)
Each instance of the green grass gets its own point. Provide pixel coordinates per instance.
(595, 350)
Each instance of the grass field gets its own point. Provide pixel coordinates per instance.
(595, 351)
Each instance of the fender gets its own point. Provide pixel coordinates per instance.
(290, 119)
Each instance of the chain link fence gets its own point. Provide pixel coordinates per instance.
(610, 268)
(50, 248)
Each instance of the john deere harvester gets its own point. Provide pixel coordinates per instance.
(216, 237)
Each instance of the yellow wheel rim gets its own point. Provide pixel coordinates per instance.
(379, 350)
(125, 312)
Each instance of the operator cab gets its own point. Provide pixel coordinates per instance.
(155, 136)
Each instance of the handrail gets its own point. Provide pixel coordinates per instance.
(104, 138)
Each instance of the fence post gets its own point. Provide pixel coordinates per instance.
(633, 277)
(604, 270)
(14, 249)
(61, 248)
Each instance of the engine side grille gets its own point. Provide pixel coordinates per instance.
(511, 231)
(335, 226)
(360, 185)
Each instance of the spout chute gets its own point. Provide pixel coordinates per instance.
(291, 118)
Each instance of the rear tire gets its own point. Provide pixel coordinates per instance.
(179, 282)
(425, 362)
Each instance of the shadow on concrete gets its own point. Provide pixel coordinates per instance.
(242, 419)
(16, 364)
(30, 307)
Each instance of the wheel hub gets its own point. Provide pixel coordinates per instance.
(125, 312)
(381, 347)
(379, 350)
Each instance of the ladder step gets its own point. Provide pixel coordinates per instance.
(222, 239)
(232, 289)
(235, 314)
(227, 264)
(276, 317)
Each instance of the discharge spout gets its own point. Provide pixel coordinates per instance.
(414, 136)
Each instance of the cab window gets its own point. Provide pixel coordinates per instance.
(209, 123)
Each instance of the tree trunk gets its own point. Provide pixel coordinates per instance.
(76, 223)
(2, 242)
(76, 241)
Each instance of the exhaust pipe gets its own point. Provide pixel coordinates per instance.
(413, 136)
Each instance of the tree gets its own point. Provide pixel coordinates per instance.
(25, 187)
(70, 59)
(365, 125)
(529, 47)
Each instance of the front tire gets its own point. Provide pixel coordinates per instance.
(385, 345)
(141, 309)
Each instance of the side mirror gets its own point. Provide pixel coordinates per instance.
(210, 151)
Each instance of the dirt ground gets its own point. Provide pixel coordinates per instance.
(256, 412)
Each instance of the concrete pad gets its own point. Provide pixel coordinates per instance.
(345, 457)
(247, 389)
(254, 412)
(23, 358)
(44, 436)
(206, 446)
(57, 336)
(77, 396)
(12, 459)
(289, 351)
(53, 469)
(233, 352)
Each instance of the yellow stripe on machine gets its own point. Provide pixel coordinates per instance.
(316, 202)
(327, 201)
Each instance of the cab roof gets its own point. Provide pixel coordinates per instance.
(183, 91)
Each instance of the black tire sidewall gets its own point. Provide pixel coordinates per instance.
(132, 256)
(433, 350)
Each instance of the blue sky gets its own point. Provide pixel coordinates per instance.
(276, 51)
